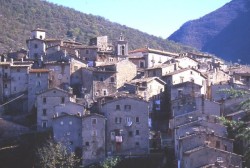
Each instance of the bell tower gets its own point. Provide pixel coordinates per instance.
(36, 45)
(121, 46)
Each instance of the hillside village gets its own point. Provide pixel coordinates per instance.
(103, 100)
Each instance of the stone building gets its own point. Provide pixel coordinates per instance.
(105, 80)
(148, 88)
(161, 70)
(192, 141)
(55, 102)
(38, 81)
(93, 138)
(67, 129)
(127, 125)
(185, 75)
(37, 46)
(151, 57)
(208, 156)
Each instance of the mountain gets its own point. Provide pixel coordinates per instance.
(18, 18)
(224, 32)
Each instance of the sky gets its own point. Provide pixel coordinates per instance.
(156, 17)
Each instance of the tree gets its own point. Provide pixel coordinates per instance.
(239, 130)
(55, 155)
(110, 162)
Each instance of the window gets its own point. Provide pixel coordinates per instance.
(225, 147)
(44, 124)
(118, 107)
(137, 119)
(62, 100)
(191, 72)
(41, 37)
(38, 83)
(44, 100)
(130, 133)
(181, 79)
(112, 79)
(14, 88)
(122, 50)
(87, 51)
(118, 120)
(137, 144)
(217, 144)
(35, 46)
(5, 86)
(141, 64)
(93, 121)
(44, 112)
(154, 73)
(127, 107)
(86, 143)
(104, 92)
(137, 132)
(38, 74)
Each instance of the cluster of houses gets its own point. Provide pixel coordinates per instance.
(101, 99)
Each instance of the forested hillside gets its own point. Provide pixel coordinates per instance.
(224, 32)
(19, 17)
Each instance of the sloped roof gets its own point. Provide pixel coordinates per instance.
(149, 79)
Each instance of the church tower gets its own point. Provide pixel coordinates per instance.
(121, 47)
(36, 45)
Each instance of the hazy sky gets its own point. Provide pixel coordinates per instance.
(156, 17)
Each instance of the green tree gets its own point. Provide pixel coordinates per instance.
(110, 162)
(55, 155)
(239, 130)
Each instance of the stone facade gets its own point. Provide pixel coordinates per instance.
(147, 88)
(192, 141)
(93, 138)
(202, 156)
(152, 57)
(54, 102)
(127, 126)
(67, 129)
(185, 75)
(38, 81)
